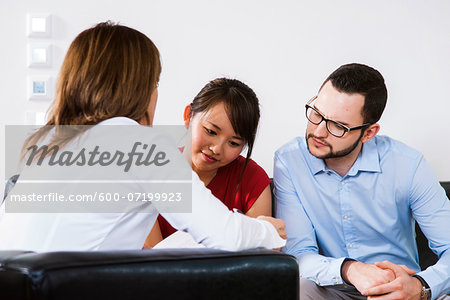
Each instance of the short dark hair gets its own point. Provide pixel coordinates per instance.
(361, 79)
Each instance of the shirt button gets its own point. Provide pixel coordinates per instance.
(350, 245)
(342, 183)
(345, 217)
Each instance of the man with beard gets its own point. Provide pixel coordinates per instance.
(350, 199)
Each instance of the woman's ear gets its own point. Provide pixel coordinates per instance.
(187, 116)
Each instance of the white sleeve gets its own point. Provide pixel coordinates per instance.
(213, 225)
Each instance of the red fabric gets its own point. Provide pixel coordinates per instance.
(223, 186)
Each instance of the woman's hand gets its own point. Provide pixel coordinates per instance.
(277, 223)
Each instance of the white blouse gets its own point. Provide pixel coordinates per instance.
(210, 222)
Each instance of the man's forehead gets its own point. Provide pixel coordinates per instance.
(341, 106)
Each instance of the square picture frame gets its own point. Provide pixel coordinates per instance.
(39, 25)
(39, 55)
(39, 88)
(35, 118)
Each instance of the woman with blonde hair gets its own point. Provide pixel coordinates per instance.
(109, 77)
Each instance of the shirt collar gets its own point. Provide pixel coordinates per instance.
(368, 160)
(119, 121)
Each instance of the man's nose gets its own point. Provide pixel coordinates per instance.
(321, 129)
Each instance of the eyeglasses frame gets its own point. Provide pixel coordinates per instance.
(346, 128)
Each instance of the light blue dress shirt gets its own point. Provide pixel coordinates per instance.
(367, 215)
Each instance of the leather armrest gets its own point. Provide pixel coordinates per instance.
(147, 274)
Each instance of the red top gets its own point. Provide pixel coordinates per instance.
(223, 186)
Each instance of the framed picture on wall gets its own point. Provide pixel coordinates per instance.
(35, 118)
(39, 25)
(39, 55)
(39, 88)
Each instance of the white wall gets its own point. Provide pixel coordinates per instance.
(282, 49)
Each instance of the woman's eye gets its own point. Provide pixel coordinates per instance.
(209, 131)
(234, 144)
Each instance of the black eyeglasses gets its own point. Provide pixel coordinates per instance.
(335, 128)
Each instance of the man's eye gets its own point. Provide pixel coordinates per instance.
(315, 116)
(337, 126)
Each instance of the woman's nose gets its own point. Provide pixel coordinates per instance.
(216, 148)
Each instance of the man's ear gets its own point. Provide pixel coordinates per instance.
(187, 116)
(370, 132)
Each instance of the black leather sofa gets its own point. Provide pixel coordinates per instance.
(149, 274)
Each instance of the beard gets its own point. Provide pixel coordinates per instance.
(331, 153)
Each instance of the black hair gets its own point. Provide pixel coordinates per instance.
(361, 79)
